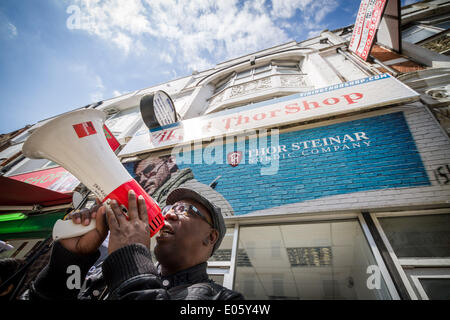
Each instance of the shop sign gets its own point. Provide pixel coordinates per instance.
(337, 99)
(366, 25)
(56, 179)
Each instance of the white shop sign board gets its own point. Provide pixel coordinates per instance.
(366, 93)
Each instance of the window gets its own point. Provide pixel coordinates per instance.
(21, 248)
(432, 287)
(425, 29)
(224, 83)
(418, 236)
(262, 71)
(444, 25)
(253, 74)
(29, 165)
(420, 246)
(21, 137)
(219, 264)
(181, 102)
(262, 68)
(10, 151)
(326, 260)
(281, 67)
(244, 74)
(123, 121)
(287, 67)
(419, 33)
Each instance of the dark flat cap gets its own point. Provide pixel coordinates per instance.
(215, 212)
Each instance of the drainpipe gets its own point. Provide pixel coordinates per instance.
(394, 73)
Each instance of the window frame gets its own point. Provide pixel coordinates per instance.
(13, 170)
(418, 27)
(401, 263)
(267, 220)
(135, 123)
(419, 287)
(273, 67)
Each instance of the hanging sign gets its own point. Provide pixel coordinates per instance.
(366, 25)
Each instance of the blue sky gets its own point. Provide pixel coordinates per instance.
(58, 55)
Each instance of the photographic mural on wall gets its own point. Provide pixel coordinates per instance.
(366, 154)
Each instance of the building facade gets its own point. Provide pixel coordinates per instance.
(333, 175)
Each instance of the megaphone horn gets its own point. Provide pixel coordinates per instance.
(76, 141)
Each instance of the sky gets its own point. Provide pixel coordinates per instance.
(59, 55)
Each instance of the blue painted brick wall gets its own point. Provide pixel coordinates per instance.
(391, 161)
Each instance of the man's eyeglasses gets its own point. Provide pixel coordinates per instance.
(185, 209)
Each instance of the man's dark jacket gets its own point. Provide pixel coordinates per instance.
(127, 273)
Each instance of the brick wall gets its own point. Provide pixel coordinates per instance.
(433, 147)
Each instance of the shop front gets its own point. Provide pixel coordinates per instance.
(316, 209)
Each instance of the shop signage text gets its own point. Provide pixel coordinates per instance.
(56, 179)
(324, 102)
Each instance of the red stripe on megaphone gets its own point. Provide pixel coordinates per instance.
(120, 194)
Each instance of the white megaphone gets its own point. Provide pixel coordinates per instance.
(76, 141)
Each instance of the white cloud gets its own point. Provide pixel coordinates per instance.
(314, 10)
(117, 93)
(199, 33)
(7, 29)
(287, 8)
(123, 41)
(205, 30)
(314, 33)
(312, 13)
(12, 30)
(164, 56)
(114, 20)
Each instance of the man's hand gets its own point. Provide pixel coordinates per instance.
(125, 231)
(91, 241)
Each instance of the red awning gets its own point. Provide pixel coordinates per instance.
(16, 193)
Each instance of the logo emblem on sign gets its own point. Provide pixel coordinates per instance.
(84, 129)
(234, 158)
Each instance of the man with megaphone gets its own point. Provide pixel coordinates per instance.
(193, 230)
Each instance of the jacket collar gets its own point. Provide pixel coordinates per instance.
(191, 275)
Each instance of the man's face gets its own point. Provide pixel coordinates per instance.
(152, 173)
(181, 239)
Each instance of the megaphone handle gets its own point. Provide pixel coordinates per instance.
(65, 229)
